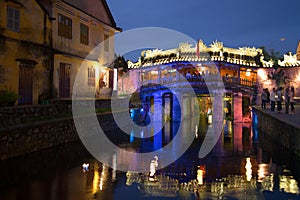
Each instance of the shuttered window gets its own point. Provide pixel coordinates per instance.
(91, 77)
(13, 19)
(64, 26)
(84, 34)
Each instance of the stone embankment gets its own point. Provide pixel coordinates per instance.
(26, 129)
(282, 128)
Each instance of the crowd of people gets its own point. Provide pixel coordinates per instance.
(277, 97)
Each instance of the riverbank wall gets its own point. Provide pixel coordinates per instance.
(28, 129)
(280, 127)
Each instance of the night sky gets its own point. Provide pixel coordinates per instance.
(236, 23)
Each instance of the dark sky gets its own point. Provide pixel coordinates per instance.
(236, 23)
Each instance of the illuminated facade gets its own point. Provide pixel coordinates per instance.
(244, 72)
(43, 43)
(286, 75)
(79, 27)
(201, 66)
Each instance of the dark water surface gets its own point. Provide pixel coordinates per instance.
(244, 164)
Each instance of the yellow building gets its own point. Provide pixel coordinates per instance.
(44, 42)
(25, 56)
(79, 26)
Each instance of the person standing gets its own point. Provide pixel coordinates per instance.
(273, 99)
(268, 97)
(287, 100)
(188, 75)
(263, 99)
(279, 99)
(292, 95)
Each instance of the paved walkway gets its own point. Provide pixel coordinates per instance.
(293, 119)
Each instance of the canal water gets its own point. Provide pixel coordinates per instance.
(244, 164)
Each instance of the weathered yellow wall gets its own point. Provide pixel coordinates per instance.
(25, 44)
(73, 46)
(75, 52)
(79, 70)
(31, 21)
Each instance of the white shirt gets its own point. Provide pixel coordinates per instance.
(279, 94)
(272, 96)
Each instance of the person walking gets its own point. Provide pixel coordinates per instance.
(292, 101)
(273, 99)
(263, 99)
(279, 99)
(287, 100)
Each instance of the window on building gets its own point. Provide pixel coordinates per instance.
(2, 74)
(84, 34)
(13, 19)
(106, 42)
(91, 76)
(64, 26)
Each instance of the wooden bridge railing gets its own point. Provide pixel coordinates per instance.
(201, 79)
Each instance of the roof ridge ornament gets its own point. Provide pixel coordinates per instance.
(269, 63)
(289, 60)
(185, 47)
(188, 52)
(216, 45)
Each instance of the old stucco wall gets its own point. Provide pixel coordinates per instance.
(30, 43)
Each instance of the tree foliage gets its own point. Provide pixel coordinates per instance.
(271, 54)
(278, 75)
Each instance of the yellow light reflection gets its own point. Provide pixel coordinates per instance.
(248, 169)
(288, 184)
(103, 177)
(95, 182)
(262, 172)
(200, 174)
(128, 179)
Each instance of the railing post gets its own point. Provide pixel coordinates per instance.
(158, 74)
(177, 76)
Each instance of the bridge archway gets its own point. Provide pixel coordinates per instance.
(167, 116)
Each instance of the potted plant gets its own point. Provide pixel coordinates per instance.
(8, 98)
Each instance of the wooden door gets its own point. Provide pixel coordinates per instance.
(25, 84)
(111, 79)
(64, 80)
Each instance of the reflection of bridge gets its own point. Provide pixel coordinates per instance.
(234, 186)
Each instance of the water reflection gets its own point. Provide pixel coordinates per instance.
(85, 167)
(239, 167)
(263, 171)
(248, 169)
(96, 182)
(288, 184)
(200, 174)
(223, 178)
